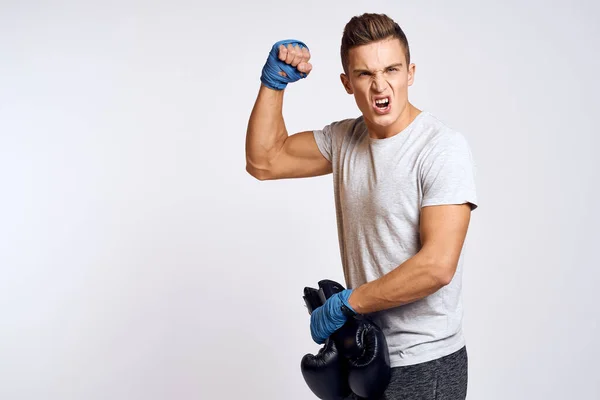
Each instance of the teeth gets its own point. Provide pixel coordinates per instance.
(381, 101)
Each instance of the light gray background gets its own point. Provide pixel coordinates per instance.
(140, 261)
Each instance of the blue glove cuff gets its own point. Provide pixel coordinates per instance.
(330, 316)
(344, 296)
(270, 73)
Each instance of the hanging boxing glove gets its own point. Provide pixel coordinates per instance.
(325, 373)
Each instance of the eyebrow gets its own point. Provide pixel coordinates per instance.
(389, 66)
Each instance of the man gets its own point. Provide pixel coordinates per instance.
(404, 191)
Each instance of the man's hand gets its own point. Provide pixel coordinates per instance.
(287, 62)
(295, 56)
(330, 316)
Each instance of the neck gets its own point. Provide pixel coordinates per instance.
(407, 116)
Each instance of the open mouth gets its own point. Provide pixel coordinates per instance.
(382, 105)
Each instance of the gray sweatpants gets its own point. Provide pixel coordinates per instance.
(442, 379)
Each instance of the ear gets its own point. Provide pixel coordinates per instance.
(411, 74)
(346, 83)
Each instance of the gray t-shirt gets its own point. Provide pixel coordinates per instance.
(380, 186)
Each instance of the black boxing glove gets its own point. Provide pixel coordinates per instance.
(364, 347)
(325, 373)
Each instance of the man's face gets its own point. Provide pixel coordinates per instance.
(379, 79)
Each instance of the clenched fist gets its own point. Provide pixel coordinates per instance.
(287, 63)
(295, 56)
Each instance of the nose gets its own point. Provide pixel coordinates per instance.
(379, 84)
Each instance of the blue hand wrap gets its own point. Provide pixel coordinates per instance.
(329, 317)
(270, 73)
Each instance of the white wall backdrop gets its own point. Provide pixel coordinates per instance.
(138, 259)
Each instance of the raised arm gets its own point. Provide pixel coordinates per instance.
(270, 152)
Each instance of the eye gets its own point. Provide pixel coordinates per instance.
(363, 74)
(392, 69)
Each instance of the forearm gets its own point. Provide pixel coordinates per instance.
(412, 280)
(266, 130)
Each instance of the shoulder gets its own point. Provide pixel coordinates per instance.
(438, 136)
(345, 126)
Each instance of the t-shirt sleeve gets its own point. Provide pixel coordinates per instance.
(323, 137)
(448, 172)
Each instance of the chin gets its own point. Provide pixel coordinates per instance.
(383, 120)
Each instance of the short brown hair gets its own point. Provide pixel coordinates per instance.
(368, 28)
